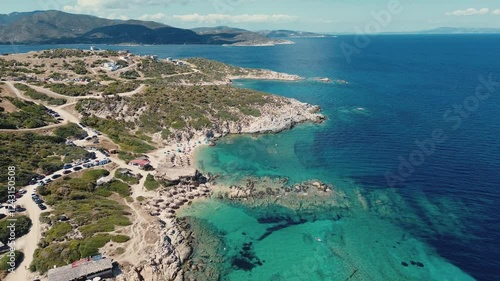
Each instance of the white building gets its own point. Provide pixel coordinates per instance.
(110, 66)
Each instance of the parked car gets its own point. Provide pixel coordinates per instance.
(65, 172)
(42, 207)
(56, 176)
(77, 168)
(22, 191)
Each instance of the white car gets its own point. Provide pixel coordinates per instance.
(22, 191)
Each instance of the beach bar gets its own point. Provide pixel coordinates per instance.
(85, 269)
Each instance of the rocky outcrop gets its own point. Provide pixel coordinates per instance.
(264, 74)
(278, 118)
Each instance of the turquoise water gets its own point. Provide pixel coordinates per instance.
(356, 245)
(445, 215)
(395, 97)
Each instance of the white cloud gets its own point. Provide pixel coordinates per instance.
(244, 18)
(103, 6)
(496, 12)
(469, 12)
(154, 17)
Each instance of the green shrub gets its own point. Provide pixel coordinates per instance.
(30, 115)
(71, 130)
(22, 227)
(94, 175)
(58, 231)
(39, 96)
(119, 187)
(5, 259)
(120, 238)
(151, 183)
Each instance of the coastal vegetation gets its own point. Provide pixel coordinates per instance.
(5, 259)
(39, 96)
(154, 68)
(33, 154)
(23, 225)
(120, 87)
(70, 131)
(89, 217)
(217, 70)
(151, 183)
(169, 109)
(119, 133)
(75, 90)
(28, 115)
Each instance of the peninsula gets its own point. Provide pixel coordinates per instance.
(103, 141)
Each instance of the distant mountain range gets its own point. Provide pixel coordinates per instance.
(56, 27)
(452, 30)
(290, 34)
(455, 30)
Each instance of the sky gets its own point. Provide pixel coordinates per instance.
(336, 16)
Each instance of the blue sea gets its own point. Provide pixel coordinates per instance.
(415, 130)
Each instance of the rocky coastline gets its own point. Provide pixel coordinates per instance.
(183, 252)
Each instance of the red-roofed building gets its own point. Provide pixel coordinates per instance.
(141, 163)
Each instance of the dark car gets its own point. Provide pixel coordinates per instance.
(65, 172)
(77, 168)
(56, 176)
(42, 207)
